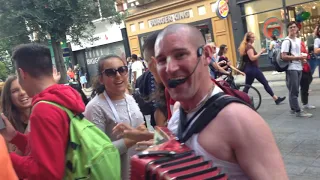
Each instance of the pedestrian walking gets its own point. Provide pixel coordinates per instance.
(250, 58)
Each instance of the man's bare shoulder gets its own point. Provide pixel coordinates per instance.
(241, 120)
(236, 113)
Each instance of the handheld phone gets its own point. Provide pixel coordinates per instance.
(2, 124)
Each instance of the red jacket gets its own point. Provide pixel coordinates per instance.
(306, 66)
(48, 137)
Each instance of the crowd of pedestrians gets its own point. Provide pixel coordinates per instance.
(132, 96)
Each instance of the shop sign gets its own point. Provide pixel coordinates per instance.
(272, 26)
(170, 18)
(222, 9)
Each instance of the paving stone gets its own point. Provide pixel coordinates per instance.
(302, 178)
(298, 160)
(312, 171)
(295, 169)
(316, 163)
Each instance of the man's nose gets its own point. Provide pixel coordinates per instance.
(172, 65)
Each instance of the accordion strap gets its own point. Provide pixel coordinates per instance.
(187, 128)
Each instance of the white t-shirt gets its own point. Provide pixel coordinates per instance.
(276, 45)
(137, 67)
(317, 43)
(295, 51)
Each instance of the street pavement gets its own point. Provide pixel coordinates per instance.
(298, 138)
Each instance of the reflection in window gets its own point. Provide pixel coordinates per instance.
(261, 5)
(292, 2)
(266, 24)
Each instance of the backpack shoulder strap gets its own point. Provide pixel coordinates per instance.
(70, 114)
(207, 114)
(290, 46)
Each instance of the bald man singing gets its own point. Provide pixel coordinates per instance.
(238, 140)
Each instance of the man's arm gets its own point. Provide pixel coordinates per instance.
(253, 143)
(49, 133)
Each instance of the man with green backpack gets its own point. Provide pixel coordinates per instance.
(61, 144)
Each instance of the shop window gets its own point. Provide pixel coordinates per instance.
(261, 5)
(201, 10)
(213, 7)
(133, 28)
(265, 25)
(294, 2)
(307, 26)
(206, 32)
(141, 25)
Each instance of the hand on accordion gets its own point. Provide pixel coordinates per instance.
(133, 134)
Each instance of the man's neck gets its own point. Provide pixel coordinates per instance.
(292, 36)
(198, 98)
(42, 84)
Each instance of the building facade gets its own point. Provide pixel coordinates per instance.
(156, 15)
(110, 41)
(265, 18)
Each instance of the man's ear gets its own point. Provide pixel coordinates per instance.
(22, 74)
(208, 53)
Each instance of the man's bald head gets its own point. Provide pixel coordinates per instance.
(192, 33)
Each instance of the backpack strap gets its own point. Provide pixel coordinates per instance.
(204, 115)
(290, 47)
(69, 113)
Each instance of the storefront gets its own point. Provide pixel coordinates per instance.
(265, 18)
(202, 14)
(109, 40)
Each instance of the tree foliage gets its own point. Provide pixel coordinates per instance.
(56, 18)
(3, 71)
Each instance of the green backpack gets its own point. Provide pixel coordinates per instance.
(90, 154)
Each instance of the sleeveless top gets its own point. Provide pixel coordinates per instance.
(246, 57)
(233, 170)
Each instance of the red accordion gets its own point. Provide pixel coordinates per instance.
(169, 159)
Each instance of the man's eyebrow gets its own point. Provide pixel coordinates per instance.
(174, 50)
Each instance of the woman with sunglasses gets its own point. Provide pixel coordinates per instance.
(112, 107)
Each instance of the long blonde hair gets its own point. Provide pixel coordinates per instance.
(243, 45)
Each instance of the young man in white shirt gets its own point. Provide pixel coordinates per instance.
(137, 68)
(294, 72)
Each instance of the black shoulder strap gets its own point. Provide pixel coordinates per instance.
(207, 113)
(290, 47)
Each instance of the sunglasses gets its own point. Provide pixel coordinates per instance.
(123, 70)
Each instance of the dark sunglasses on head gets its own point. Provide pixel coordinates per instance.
(123, 70)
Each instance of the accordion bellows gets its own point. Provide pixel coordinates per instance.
(171, 160)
